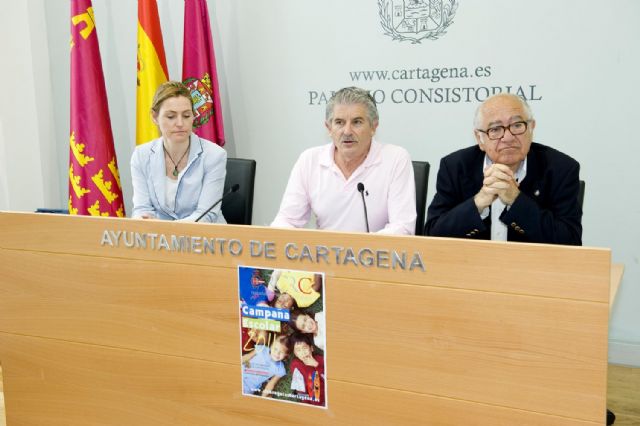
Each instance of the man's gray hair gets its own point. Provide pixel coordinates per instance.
(477, 119)
(349, 96)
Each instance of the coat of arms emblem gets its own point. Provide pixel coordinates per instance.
(202, 99)
(416, 20)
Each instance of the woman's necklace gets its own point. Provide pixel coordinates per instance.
(175, 165)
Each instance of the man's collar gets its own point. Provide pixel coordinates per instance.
(373, 156)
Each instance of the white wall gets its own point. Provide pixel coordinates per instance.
(28, 150)
(581, 56)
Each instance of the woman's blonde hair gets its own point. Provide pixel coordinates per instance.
(169, 89)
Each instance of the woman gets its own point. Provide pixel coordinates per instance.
(179, 175)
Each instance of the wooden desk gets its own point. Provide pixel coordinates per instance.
(617, 270)
(98, 332)
(3, 421)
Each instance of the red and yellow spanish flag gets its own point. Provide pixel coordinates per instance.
(199, 71)
(94, 181)
(152, 68)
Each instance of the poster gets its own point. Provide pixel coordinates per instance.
(283, 335)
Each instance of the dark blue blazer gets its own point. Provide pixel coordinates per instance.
(546, 211)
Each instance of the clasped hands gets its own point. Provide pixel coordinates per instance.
(499, 182)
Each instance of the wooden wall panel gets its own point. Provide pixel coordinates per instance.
(478, 346)
(59, 383)
(462, 340)
(492, 332)
(150, 306)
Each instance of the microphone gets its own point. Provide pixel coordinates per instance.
(364, 204)
(233, 188)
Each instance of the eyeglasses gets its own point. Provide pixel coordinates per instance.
(497, 132)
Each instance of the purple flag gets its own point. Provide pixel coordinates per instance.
(199, 71)
(94, 181)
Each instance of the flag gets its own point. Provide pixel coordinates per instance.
(94, 181)
(152, 68)
(199, 71)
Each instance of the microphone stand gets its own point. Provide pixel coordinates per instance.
(234, 188)
(364, 204)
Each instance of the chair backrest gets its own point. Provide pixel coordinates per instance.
(54, 211)
(421, 176)
(237, 207)
(581, 193)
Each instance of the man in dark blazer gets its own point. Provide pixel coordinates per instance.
(506, 187)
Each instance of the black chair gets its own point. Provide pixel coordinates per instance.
(53, 211)
(581, 193)
(237, 207)
(421, 176)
